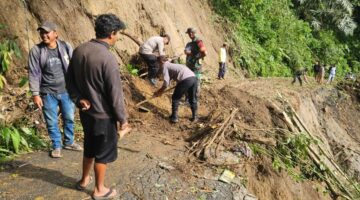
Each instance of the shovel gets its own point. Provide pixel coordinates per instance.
(143, 109)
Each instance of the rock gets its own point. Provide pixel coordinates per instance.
(166, 166)
(224, 157)
(241, 193)
(227, 176)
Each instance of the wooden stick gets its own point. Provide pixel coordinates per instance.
(132, 37)
(301, 125)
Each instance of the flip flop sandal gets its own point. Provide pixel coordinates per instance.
(81, 188)
(56, 153)
(106, 196)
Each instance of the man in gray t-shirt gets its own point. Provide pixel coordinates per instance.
(48, 63)
(53, 80)
(186, 83)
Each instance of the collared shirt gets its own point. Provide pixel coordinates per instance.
(153, 44)
(176, 72)
(222, 55)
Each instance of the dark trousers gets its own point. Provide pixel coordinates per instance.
(188, 86)
(151, 62)
(297, 77)
(222, 70)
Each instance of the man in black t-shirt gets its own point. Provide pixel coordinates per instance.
(317, 69)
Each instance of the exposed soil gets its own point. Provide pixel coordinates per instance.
(139, 172)
(154, 162)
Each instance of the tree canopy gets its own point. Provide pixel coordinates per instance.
(275, 37)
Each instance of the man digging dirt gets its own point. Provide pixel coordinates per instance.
(149, 50)
(186, 83)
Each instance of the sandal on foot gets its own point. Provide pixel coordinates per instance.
(110, 195)
(81, 188)
(74, 147)
(56, 153)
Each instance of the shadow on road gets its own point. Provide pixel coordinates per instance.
(28, 170)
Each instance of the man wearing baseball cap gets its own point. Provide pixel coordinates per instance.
(48, 63)
(195, 51)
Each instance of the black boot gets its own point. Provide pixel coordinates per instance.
(174, 117)
(194, 117)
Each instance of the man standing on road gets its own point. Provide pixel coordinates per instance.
(48, 63)
(94, 84)
(186, 83)
(195, 52)
(149, 50)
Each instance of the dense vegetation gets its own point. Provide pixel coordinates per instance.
(8, 47)
(275, 37)
(14, 138)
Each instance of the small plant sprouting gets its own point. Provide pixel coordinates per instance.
(132, 70)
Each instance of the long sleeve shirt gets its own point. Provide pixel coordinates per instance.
(176, 72)
(43, 77)
(93, 74)
(153, 44)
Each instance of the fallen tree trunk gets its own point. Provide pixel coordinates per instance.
(132, 37)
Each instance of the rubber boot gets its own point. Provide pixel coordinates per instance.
(194, 117)
(174, 117)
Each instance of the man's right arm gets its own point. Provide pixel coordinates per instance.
(71, 86)
(35, 75)
(34, 71)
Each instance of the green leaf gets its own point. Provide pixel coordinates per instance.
(2, 81)
(25, 130)
(23, 81)
(134, 71)
(6, 133)
(24, 143)
(15, 48)
(4, 150)
(15, 137)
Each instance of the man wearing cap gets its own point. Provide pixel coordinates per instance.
(195, 51)
(149, 51)
(48, 63)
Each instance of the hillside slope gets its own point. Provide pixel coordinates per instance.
(144, 18)
(154, 159)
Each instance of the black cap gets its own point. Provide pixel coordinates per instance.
(47, 26)
(191, 30)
